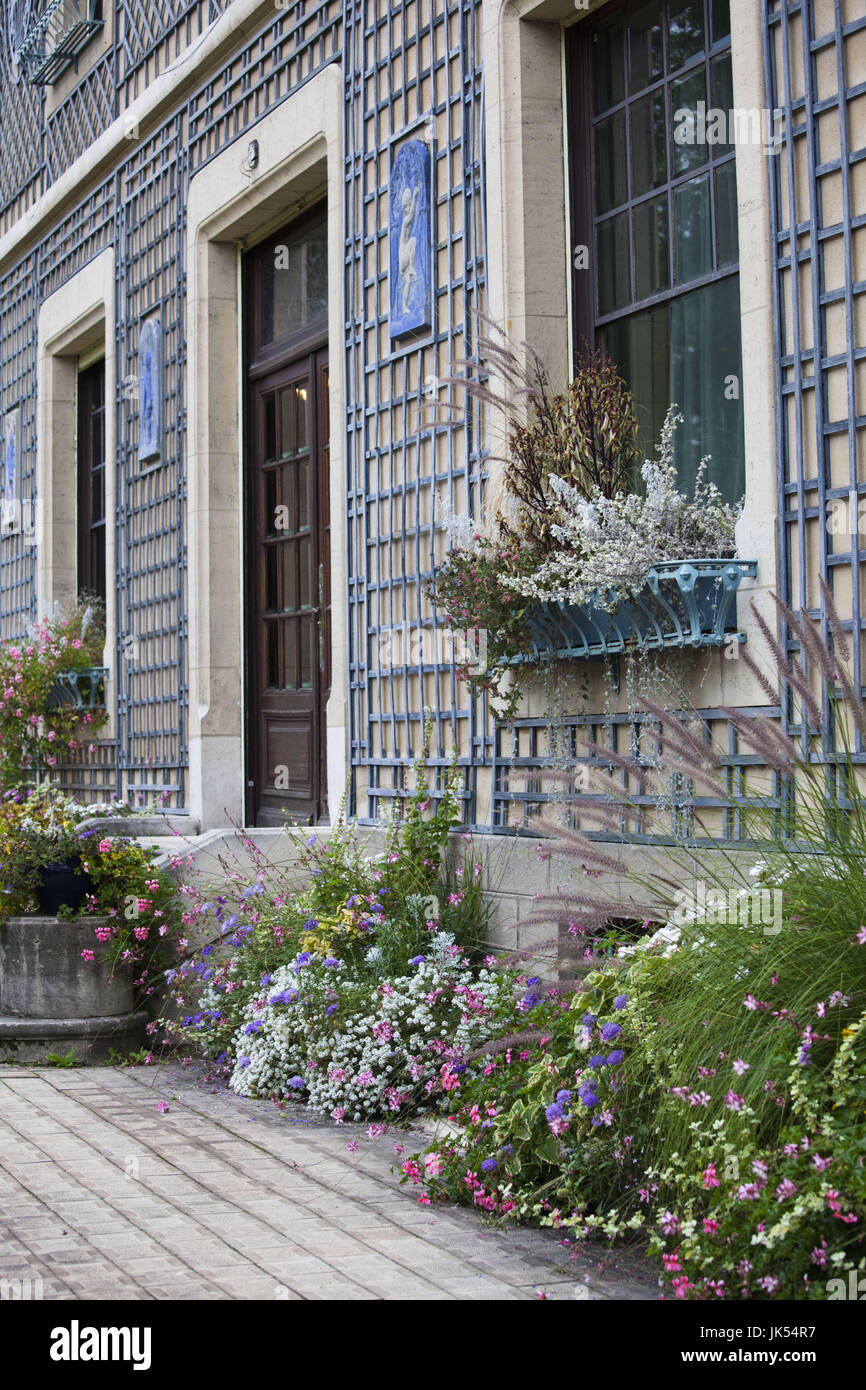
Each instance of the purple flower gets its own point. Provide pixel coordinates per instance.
(488, 1165)
(599, 1060)
(563, 1097)
(297, 1083)
(588, 1020)
(243, 1063)
(254, 1027)
(620, 1001)
(331, 962)
(615, 1057)
(588, 1097)
(609, 1031)
(417, 960)
(554, 1112)
(330, 1009)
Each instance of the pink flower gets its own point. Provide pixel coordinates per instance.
(424, 1200)
(104, 846)
(751, 1003)
(699, 1098)
(860, 938)
(740, 1067)
(162, 1106)
(669, 1223)
(733, 1101)
(709, 1176)
(433, 1165)
(770, 1283)
(88, 956)
(819, 1254)
(710, 1226)
(786, 1189)
(672, 1262)
(352, 1146)
(820, 1163)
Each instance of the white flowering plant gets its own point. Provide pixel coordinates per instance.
(353, 1050)
(607, 545)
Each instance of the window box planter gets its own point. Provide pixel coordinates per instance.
(56, 37)
(84, 690)
(54, 1001)
(685, 603)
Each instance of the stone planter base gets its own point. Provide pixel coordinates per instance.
(53, 1001)
(31, 1041)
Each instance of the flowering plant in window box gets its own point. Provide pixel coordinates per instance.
(51, 694)
(590, 556)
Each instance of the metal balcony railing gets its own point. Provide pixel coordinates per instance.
(55, 36)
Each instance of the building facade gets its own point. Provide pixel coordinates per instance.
(243, 243)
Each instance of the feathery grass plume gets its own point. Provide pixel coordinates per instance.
(839, 637)
(764, 736)
(762, 679)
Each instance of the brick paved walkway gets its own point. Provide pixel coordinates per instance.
(102, 1196)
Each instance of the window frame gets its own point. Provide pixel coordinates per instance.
(587, 321)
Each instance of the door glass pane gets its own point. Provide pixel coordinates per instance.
(648, 144)
(270, 411)
(614, 288)
(305, 566)
(293, 284)
(287, 422)
(651, 247)
(272, 642)
(290, 644)
(728, 249)
(272, 593)
(301, 393)
(686, 31)
(607, 65)
(693, 242)
(689, 148)
(270, 517)
(303, 469)
(611, 186)
(308, 632)
(290, 576)
(645, 45)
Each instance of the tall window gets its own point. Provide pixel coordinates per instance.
(654, 202)
(91, 480)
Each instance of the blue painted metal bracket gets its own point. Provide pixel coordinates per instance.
(685, 603)
(83, 689)
(55, 39)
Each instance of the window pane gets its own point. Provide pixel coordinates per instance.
(728, 247)
(705, 372)
(651, 247)
(614, 288)
(693, 242)
(641, 346)
(721, 99)
(686, 32)
(721, 19)
(611, 189)
(689, 147)
(645, 45)
(607, 65)
(648, 146)
(294, 284)
(683, 352)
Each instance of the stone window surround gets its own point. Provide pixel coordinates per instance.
(74, 323)
(231, 208)
(529, 240)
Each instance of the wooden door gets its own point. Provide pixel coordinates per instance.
(289, 592)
